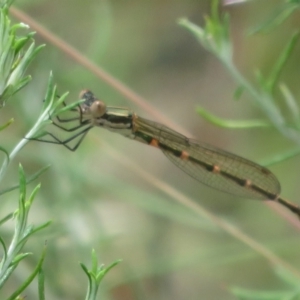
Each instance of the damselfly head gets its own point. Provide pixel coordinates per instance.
(88, 97)
(92, 106)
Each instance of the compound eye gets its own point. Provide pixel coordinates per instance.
(83, 94)
(98, 109)
(87, 95)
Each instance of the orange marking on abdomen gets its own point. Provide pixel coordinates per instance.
(154, 143)
(184, 155)
(248, 183)
(216, 169)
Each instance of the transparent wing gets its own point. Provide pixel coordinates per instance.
(232, 170)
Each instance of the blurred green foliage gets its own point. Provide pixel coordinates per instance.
(96, 200)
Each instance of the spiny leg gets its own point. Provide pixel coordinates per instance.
(66, 141)
(80, 118)
(82, 124)
(82, 133)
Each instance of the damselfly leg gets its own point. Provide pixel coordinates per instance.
(82, 129)
(81, 134)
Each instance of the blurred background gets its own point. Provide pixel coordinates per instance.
(97, 199)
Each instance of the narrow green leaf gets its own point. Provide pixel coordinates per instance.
(277, 159)
(40, 134)
(197, 31)
(33, 194)
(259, 295)
(21, 42)
(287, 276)
(37, 174)
(6, 124)
(6, 218)
(60, 99)
(20, 257)
(275, 19)
(291, 102)
(5, 152)
(262, 82)
(26, 283)
(68, 107)
(4, 251)
(5, 161)
(35, 229)
(94, 261)
(238, 92)
(103, 272)
(5, 5)
(41, 284)
(21, 83)
(22, 182)
(242, 124)
(85, 269)
(26, 59)
(215, 35)
(8, 91)
(50, 93)
(17, 26)
(6, 275)
(28, 231)
(272, 79)
(29, 180)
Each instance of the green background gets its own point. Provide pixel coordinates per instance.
(97, 200)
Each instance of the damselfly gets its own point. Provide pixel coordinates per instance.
(212, 166)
